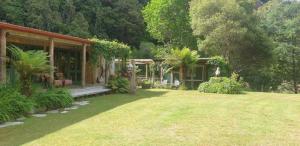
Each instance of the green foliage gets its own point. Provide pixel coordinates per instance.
(144, 51)
(53, 99)
(220, 62)
(168, 21)
(12, 104)
(146, 84)
(119, 84)
(109, 50)
(182, 57)
(117, 19)
(183, 87)
(281, 19)
(79, 26)
(28, 64)
(221, 85)
(230, 28)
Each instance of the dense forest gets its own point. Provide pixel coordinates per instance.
(258, 38)
(111, 19)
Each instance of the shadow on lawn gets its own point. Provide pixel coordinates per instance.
(35, 128)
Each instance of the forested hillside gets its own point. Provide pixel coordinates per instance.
(112, 19)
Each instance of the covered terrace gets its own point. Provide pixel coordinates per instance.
(67, 54)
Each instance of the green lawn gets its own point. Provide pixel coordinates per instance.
(165, 117)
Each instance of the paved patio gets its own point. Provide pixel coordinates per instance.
(87, 91)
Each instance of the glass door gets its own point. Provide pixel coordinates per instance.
(68, 62)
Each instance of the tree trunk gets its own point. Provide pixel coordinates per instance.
(26, 85)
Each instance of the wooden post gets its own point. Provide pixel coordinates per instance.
(146, 72)
(83, 68)
(153, 76)
(51, 54)
(3, 56)
(133, 78)
(113, 67)
(161, 74)
(171, 78)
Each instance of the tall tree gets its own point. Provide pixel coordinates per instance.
(114, 19)
(168, 21)
(79, 26)
(12, 11)
(282, 21)
(43, 15)
(230, 28)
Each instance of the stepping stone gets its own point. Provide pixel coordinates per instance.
(6, 124)
(21, 119)
(39, 115)
(71, 108)
(81, 103)
(64, 112)
(53, 112)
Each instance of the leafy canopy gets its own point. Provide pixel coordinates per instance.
(109, 50)
(230, 28)
(168, 21)
(179, 57)
(29, 62)
(281, 19)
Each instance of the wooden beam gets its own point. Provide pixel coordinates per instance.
(51, 54)
(3, 56)
(40, 43)
(42, 38)
(83, 65)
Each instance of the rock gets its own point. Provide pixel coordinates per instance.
(53, 112)
(71, 108)
(39, 115)
(64, 112)
(6, 124)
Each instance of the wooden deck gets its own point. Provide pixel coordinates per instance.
(88, 91)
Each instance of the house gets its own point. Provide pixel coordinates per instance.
(67, 54)
(194, 75)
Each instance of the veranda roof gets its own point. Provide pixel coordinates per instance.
(31, 36)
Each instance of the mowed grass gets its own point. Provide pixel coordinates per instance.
(167, 117)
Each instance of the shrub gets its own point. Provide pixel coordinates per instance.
(183, 87)
(119, 84)
(12, 104)
(53, 99)
(222, 85)
(146, 84)
(286, 87)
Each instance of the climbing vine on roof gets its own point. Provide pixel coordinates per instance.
(109, 50)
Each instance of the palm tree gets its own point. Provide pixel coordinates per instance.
(182, 58)
(27, 64)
